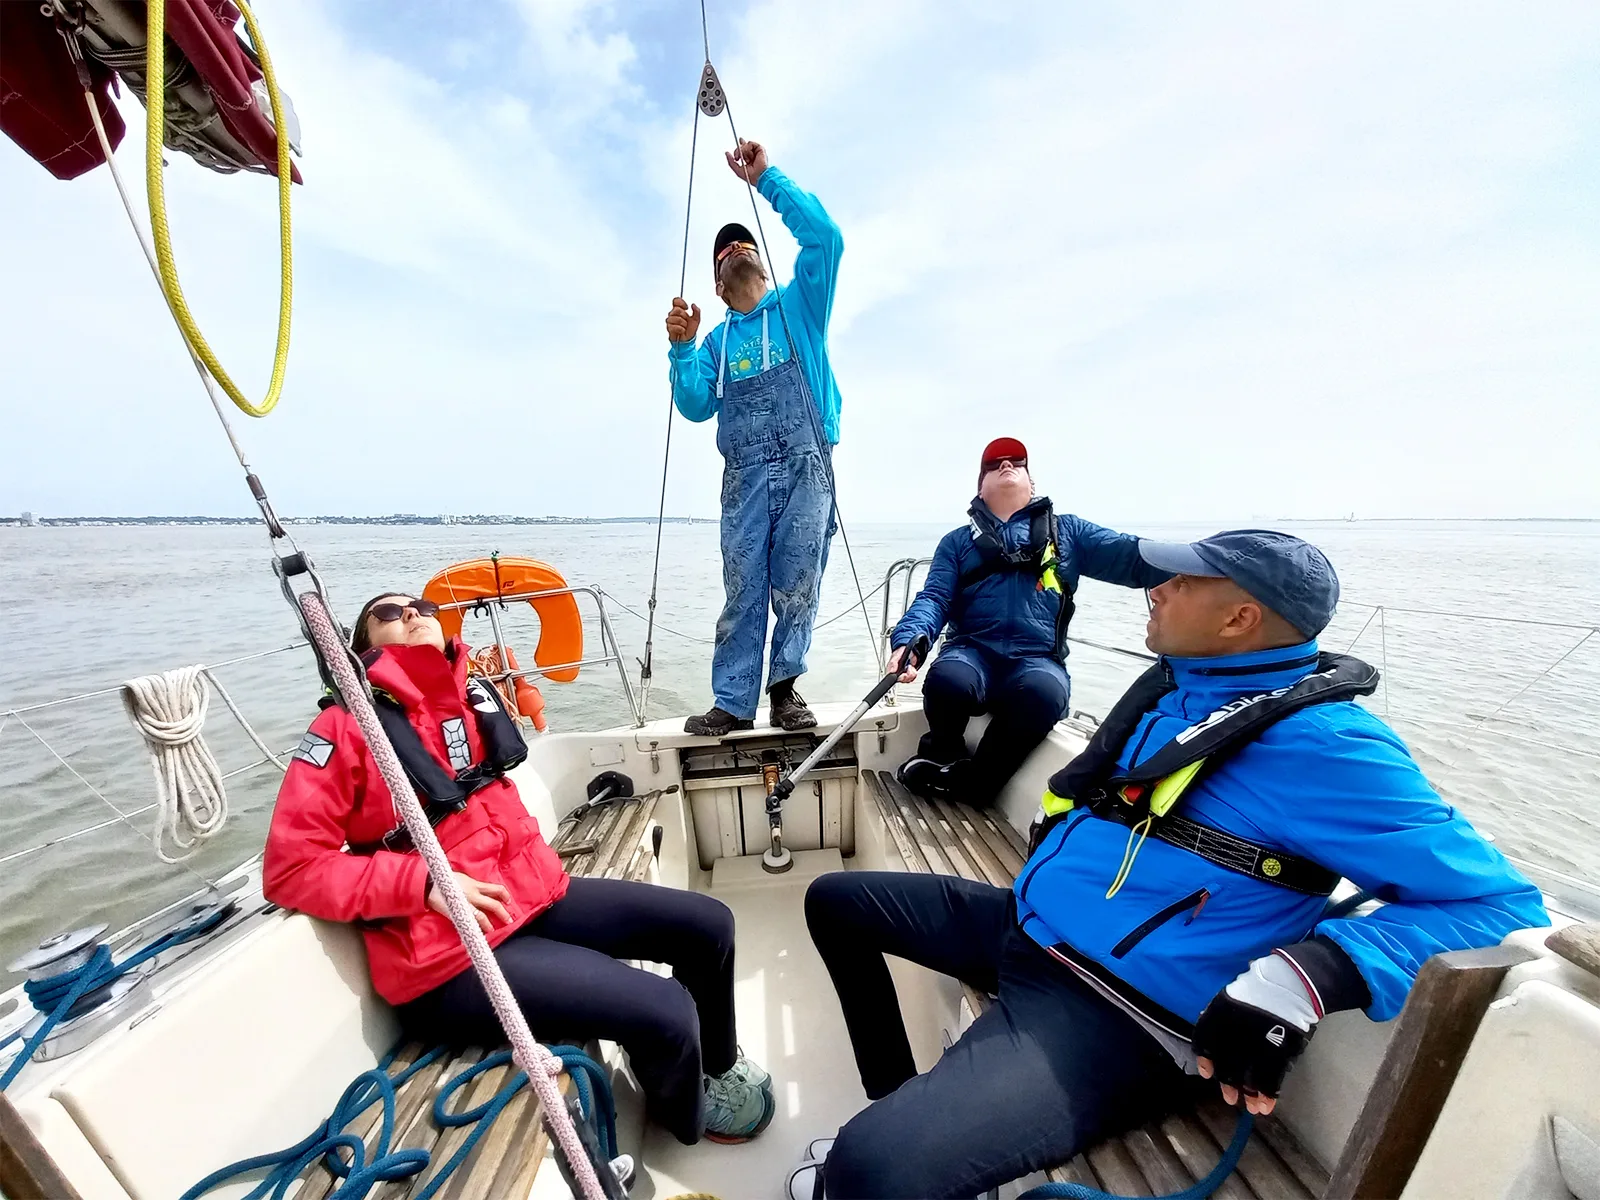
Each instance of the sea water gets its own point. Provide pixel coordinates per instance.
(1502, 712)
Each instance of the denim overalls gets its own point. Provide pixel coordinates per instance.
(777, 520)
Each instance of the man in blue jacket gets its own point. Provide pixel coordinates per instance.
(764, 374)
(1170, 919)
(1001, 589)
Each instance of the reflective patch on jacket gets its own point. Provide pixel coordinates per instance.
(314, 750)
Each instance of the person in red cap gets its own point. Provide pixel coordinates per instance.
(1000, 588)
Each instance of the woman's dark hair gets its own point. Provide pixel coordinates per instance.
(360, 642)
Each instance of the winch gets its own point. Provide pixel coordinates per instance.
(58, 958)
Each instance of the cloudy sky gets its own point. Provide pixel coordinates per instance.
(1210, 262)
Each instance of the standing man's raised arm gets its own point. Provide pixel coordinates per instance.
(816, 267)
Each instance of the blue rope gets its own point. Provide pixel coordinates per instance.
(374, 1086)
(58, 995)
(377, 1085)
(1200, 1190)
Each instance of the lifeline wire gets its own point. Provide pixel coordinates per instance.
(646, 667)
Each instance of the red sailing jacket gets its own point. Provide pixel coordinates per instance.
(333, 796)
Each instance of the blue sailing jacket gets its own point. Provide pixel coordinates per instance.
(1330, 782)
(1007, 613)
(807, 304)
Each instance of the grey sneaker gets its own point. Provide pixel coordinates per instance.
(736, 1111)
(748, 1072)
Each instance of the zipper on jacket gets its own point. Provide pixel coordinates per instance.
(1194, 900)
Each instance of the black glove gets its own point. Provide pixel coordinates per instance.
(1249, 1047)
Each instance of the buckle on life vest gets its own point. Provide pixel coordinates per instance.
(1133, 793)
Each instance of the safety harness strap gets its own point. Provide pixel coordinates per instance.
(1039, 560)
(1265, 864)
(441, 793)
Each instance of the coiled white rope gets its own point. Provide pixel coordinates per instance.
(169, 711)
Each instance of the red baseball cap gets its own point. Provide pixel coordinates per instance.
(1004, 448)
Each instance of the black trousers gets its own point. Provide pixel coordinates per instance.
(564, 971)
(1027, 696)
(1047, 1071)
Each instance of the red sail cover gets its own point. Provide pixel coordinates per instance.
(41, 103)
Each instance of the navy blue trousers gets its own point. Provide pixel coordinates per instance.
(1050, 1069)
(564, 971)
(1026, 696)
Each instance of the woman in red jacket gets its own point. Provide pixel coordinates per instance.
(338, 850)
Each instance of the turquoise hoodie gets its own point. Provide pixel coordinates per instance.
(807, 303)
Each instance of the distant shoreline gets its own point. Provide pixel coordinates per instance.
(399, 519)
(395, 519)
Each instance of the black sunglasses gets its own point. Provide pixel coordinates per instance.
(994, 464)
(389, 611)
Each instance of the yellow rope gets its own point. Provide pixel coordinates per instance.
(1129, 853)
(155, 100)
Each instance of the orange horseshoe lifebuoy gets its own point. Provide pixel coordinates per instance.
(560, 623)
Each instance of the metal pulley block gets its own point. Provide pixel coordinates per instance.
(712, 101)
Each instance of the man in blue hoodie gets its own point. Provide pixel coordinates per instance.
(1172, 917)
(764, 374)
(1001, 588)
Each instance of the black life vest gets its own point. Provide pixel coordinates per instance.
(441, 791)
(1038, 559)
(1129, 797)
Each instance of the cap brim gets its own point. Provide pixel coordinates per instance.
(1178, 558)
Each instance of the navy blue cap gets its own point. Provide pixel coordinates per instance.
(1290, 576)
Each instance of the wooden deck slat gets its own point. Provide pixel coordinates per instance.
(1116, 1169)
(419, 1132)
(1076, 1171)
(518, 1183)
(1296, 1157)
(951, 844)
(445, 1142)
(898, 834)
(1268, 1178)
(1007, 842)
(1162, 1169)
(1198, 1151)
(411, 1101)
(617, 839)
(498, 1152)
(977, 850)
(921, 835)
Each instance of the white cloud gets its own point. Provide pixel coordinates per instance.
(1211, 263)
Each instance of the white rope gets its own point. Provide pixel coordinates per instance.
(169, 711)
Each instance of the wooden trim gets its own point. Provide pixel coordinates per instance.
(1435, 1029)
(1579, 945)
(27, 1172)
